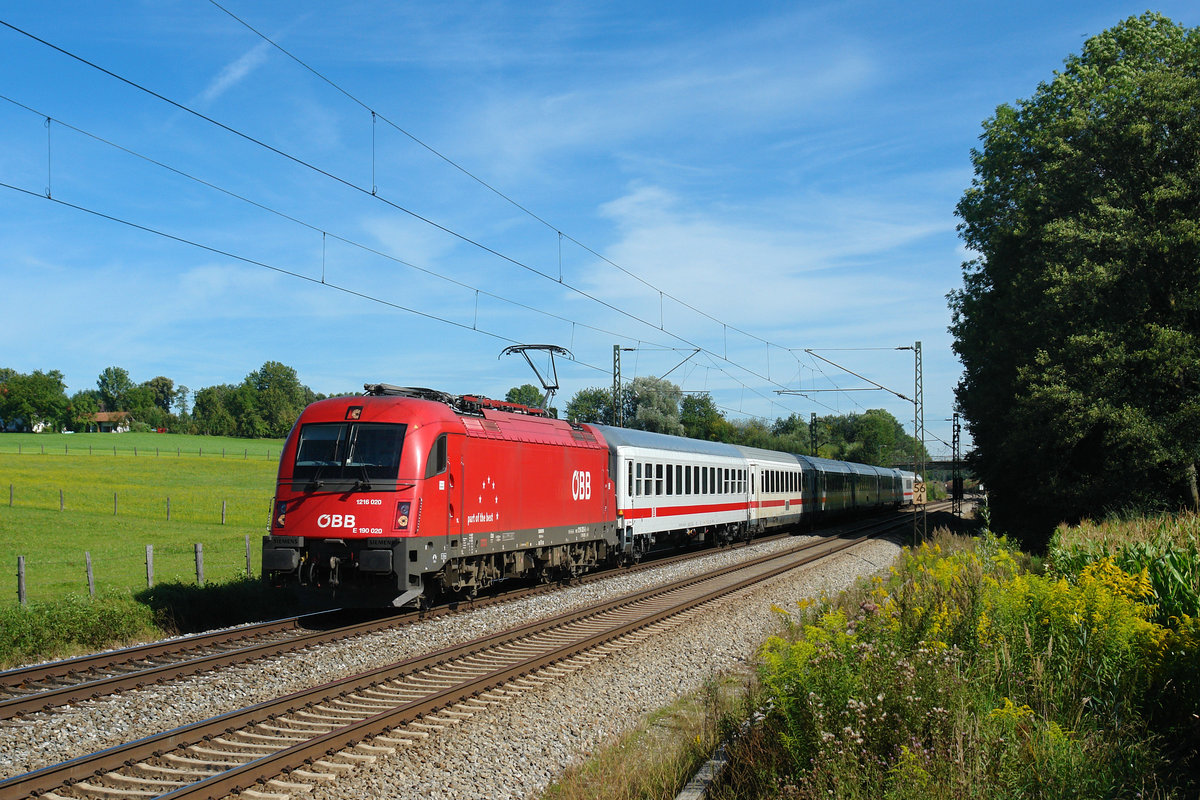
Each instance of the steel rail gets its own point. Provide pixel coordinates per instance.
(55, 776)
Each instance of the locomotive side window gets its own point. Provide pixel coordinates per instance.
(436, 463)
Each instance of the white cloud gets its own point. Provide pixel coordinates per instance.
(235, 73)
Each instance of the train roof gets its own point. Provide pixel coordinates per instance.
(772, 456)
(628, 437)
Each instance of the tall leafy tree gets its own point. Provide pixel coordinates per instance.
(654, 406)
(114, 383)
(526, 394)
(33, 400)
(164, 391)
(212, 413)
(273, 401)
(1078, 324)
(591, 405)
(702, 419)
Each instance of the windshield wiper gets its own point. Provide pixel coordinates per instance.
(363, 483)
(316, 482)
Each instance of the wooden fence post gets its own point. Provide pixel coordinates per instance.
(168, 508)
(149, 566)
(249, 574)
(10, 495)
(222, 511)
(114, 504)
(21, 579)
(199, 564)
(87, 557)
(61, 502)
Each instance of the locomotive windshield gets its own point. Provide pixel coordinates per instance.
(358, 452)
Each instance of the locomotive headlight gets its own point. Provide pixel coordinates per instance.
(280, 513)
(400, 522)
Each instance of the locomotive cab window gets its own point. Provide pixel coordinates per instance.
(348, 451)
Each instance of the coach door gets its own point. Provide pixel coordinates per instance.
(753, 507)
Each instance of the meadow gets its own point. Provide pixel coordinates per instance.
(64, 496)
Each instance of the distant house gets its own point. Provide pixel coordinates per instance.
(112, 421)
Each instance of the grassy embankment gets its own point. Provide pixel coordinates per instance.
(197, 474)
(969, 670)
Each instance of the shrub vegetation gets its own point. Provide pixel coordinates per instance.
(968, 673)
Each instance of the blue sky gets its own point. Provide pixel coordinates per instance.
(749, 181)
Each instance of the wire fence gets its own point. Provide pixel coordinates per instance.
(184, 505)
(131, 568)
(92, 449)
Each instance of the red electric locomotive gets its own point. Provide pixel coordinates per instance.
(403, 494)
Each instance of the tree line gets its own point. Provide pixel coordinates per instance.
(269, 400)
(264, 405)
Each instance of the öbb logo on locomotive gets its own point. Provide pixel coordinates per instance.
(370, 501)
(581, 485)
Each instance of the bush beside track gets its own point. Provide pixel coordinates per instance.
(969, 671)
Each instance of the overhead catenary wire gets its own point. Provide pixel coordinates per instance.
(373, 193)
(378, 115)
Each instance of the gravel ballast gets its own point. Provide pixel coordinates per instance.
(511, 750)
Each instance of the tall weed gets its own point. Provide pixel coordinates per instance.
(960, 674)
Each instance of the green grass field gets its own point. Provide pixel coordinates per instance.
(56, 507)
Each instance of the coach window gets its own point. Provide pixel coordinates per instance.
(436, 463)
(658, 479)
(670, 479)
(629, 478)
(638, 483)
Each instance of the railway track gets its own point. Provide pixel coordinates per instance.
(45, 687)
(283, 746)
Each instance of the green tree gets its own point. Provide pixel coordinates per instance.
(654, 406)
(273, 402)
(702, 419)
(180, 400)
(1078, 321)
(35, 400)
(591, 405)
(113, 383)
(84, 405)
(526, 395)
(164, 391)
(212, 413)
